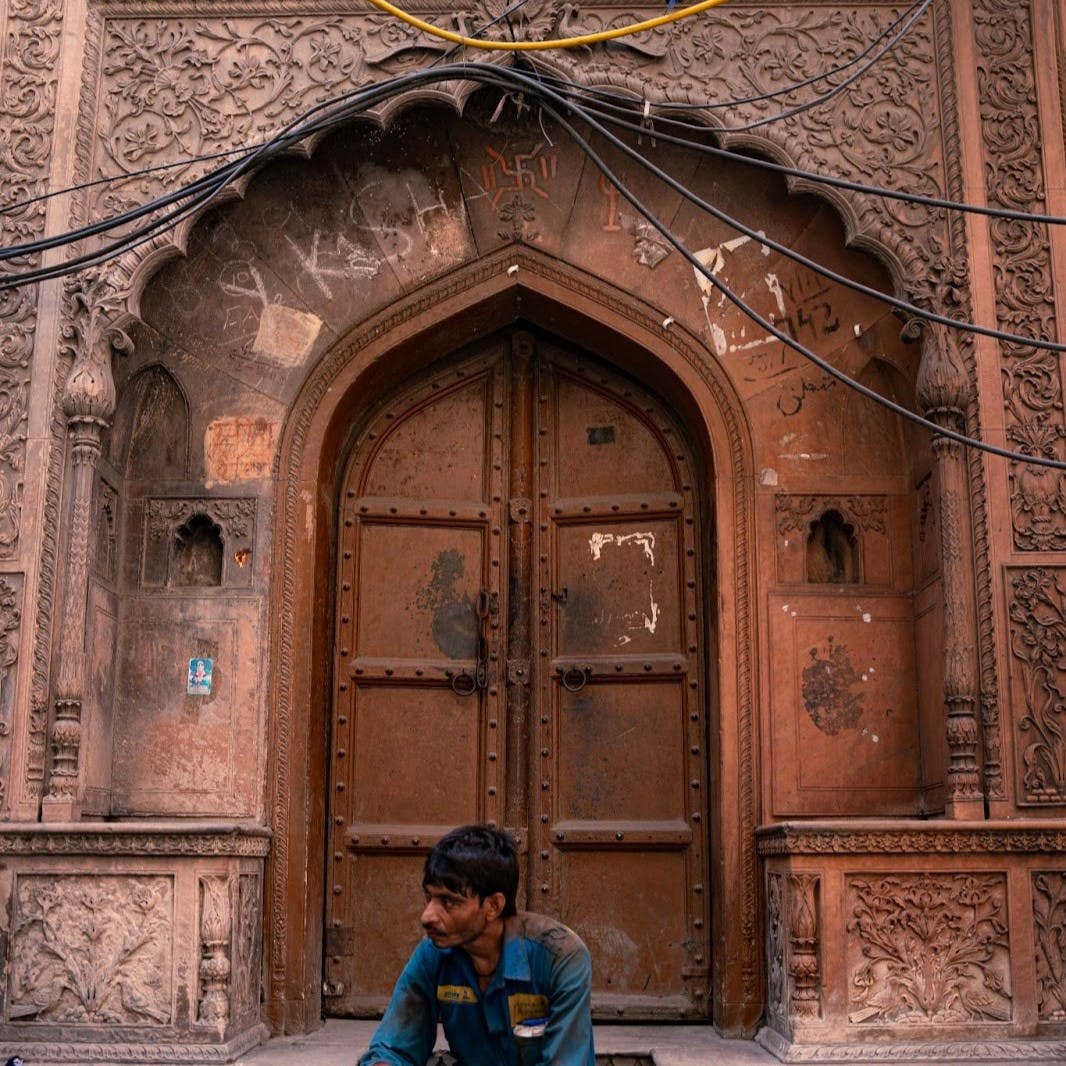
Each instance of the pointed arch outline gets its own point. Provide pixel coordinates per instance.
(414, 332)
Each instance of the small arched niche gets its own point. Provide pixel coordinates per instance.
(150, 438)
(832, 551)
(196, 554)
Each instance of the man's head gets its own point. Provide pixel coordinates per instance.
(475, 860)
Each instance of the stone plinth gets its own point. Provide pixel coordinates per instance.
(132, 942)
(943, 940)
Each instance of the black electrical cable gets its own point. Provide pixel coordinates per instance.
(507, 79)
(360, 100)
(639, 126)
(779, 334)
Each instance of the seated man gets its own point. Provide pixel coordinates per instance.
(485, 969)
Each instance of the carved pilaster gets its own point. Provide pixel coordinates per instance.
(88, 403)
(804, 966)
(943, 391)
(215, 923)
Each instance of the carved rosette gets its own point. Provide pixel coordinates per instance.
(1032, 381)
(215, 923)
(1049, 931)
(91, 950)
(928, 949)
(1037, 612)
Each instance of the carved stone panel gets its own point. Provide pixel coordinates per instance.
(88, 949)
(776, 953)
(247, 947)
(28, 80)
(1049, 931)
(1037, 611)
(10, 620)
(1024, 289)
(928, 949)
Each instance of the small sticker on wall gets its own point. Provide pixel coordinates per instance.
(200, 673)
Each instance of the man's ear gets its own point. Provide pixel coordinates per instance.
(494, 905)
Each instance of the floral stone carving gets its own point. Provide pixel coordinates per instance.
(1049, 928)
(928, 949)
(92, 950)
(1037, 611)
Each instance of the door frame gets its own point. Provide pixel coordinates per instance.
(409, 335)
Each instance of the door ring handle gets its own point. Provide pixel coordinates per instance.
(575, 678)
(464, 683)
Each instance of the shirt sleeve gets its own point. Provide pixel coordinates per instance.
(567, 1039)
(408, 1030)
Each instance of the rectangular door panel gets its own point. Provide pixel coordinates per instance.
(419, 589)
(621, 752)
(617, 587)
(402, 772)
(625, 905)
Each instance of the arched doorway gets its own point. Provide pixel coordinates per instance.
(519, 640)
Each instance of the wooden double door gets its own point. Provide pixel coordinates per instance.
(519, 642)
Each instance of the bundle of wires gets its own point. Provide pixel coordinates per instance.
(579, 112)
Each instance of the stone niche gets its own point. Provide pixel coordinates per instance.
(943, 941)
(131, 943)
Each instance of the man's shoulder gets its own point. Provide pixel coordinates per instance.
(546, 932)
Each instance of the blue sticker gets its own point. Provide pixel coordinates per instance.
(200, 671)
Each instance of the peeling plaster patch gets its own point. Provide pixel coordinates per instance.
(714, 259)
(866, 616)
(768, 476)
(858, 329)
(239, 449)
(875, 738)
(721, 344)
(286, 335)
(775, 288)
(645, 540)
(804, 455)
(638, 619)
(785, 608)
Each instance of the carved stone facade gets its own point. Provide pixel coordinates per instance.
(884, 608)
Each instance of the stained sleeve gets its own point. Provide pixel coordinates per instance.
(567, 1039)
(408, 1029)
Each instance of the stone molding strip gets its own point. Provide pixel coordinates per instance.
(152, 1054)
(137, 838)
(1042, 1052)
(910, 838)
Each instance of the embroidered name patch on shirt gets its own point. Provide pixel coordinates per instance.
(456, 994)
(523, 1006)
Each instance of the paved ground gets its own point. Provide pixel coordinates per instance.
(339, 1043)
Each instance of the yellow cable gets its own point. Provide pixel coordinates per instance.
(532, 46)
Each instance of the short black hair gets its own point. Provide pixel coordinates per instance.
(475, 860)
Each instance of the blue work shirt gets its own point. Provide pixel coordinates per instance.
(544, 972)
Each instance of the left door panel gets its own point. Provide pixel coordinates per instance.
(415, 722)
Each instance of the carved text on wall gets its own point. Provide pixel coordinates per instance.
(92, 949)
(927, 948)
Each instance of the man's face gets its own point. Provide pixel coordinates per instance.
(452, 920)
